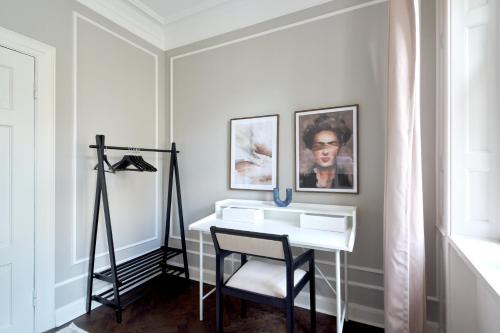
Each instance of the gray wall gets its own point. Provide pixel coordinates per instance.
(116, 95)
(334, 61)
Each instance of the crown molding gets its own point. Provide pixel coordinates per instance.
(206, 20)
(125, 14)
(230, 16)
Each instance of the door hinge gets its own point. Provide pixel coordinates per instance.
(35, 92)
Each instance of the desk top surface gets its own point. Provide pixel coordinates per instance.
(292, 208)
(300, 237)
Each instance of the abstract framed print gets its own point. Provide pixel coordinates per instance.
(326, 150)
(254, 153)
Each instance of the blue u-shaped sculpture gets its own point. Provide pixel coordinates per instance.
(278, 201)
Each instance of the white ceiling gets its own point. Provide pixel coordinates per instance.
(173, 10)
(168, 24)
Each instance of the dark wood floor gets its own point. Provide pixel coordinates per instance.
(172, 306)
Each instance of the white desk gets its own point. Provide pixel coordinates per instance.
(286, 221)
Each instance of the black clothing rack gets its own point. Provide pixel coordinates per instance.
(128, 278)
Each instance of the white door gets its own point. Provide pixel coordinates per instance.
(17, 126)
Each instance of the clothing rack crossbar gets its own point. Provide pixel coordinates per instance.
(135, 149)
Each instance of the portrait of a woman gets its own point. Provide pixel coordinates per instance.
(325, 144)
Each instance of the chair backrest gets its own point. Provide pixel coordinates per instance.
(252, 243)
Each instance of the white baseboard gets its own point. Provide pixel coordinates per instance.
(432, 327)
(72, 311)
(357, 312)
(77, 308)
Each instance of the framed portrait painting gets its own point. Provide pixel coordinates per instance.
(254, 153)
(326, 153)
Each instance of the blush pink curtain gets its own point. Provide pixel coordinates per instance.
(404, 249)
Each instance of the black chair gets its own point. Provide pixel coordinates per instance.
(262, 281)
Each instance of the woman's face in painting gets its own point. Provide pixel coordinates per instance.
(325, 148)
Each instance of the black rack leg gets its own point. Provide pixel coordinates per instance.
(111, 247)
(107, 218)
(118, 314)
(169, 205)
(181, 215)
(93, 239)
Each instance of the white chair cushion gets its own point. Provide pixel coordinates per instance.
(263, 278)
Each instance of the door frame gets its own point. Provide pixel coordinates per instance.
(45, 106)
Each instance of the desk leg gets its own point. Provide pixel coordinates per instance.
(338, 292)
(201, 275)
(346, 301)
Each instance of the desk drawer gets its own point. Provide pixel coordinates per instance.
(324, 222)
(242, 215)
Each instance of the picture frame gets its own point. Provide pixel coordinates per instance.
(253, 161)
(326, 150)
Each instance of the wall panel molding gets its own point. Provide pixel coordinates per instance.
(172, 64)
(260, 34)
(364, 269)
(374, 317)
(357, 312)
(242, 39)
(158, 178)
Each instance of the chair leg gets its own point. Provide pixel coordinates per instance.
(289, 317)
(218, 311)
(312, 302)
(219, 307)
